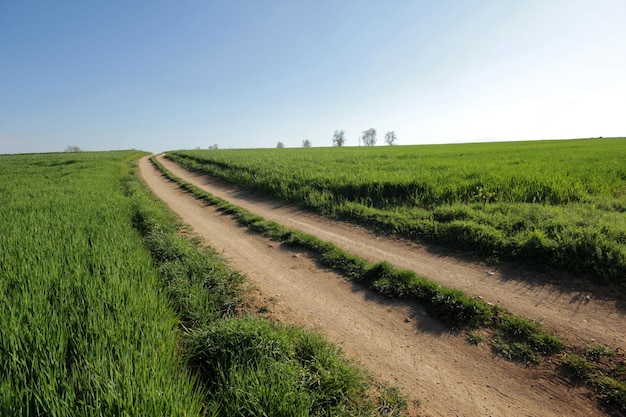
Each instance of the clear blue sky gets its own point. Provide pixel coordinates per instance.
(162, 75)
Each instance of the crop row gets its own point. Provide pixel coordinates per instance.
(555, 203)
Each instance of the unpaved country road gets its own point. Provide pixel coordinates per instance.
(577, 316)
(396, 341)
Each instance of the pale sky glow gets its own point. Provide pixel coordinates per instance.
(160, 75)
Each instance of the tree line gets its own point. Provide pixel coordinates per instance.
(368, 138)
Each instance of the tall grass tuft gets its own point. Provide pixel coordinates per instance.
(249, 366)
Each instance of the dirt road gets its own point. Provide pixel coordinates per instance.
(396, 341)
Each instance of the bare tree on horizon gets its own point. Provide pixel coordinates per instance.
(339, 138)
(391, 138)
(369, 137)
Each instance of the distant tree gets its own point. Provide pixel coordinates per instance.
(280, 145)
(339, 138)
(369, 137)
(306, 143)
(73, 148)
(391, 138)
(214, 146)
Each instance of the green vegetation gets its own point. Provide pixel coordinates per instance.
(95, 320)
(523, 340)
(604, 369)
(84, 329)
(249, 365)
(545, 203)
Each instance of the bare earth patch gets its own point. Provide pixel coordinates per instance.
(399, 342)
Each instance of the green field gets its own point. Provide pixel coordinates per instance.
(84, 329)
(106, 309)
(544, 203)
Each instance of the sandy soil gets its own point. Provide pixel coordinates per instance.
(396, 341)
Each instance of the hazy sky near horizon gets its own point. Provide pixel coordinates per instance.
(160, 75)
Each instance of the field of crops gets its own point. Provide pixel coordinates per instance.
(84, 329)
(555, 203)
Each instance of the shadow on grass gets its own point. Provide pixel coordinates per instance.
(548, 283)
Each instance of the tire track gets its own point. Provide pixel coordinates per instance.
(396, 341)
